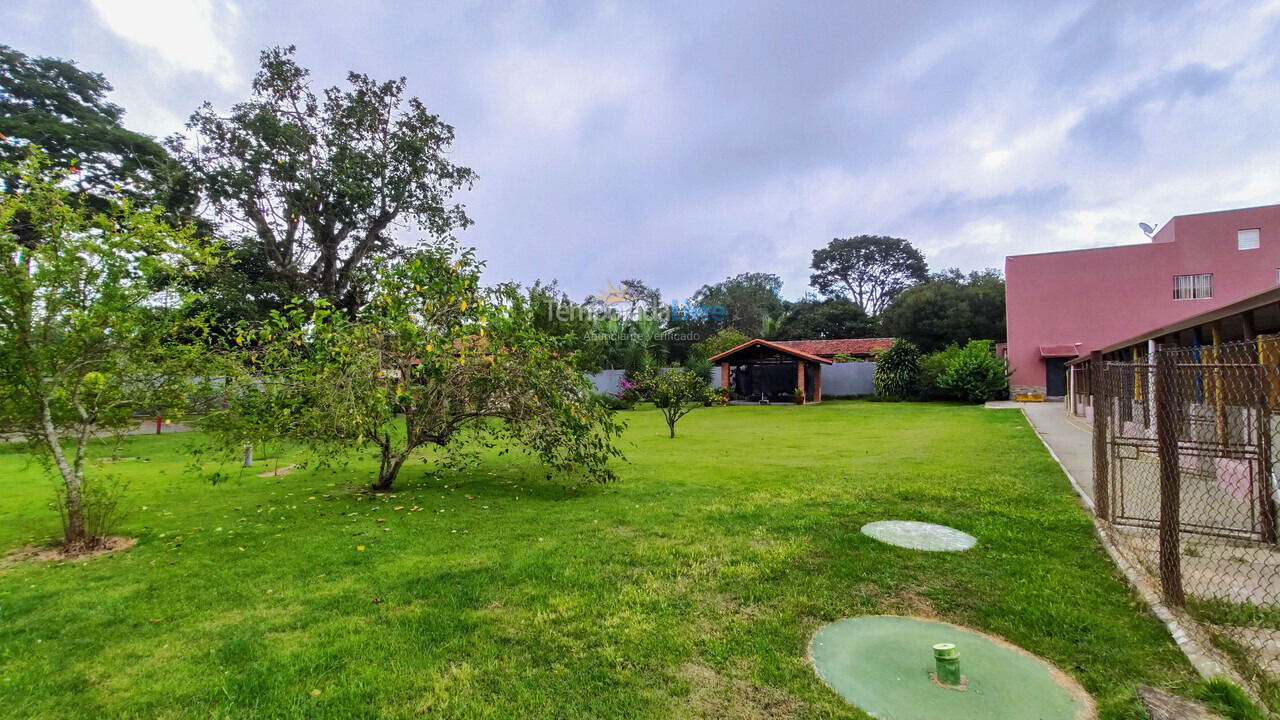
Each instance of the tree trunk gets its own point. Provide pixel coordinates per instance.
(671, 425)
(388, 468)
(75, 535)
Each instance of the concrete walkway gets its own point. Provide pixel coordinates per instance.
(146, 426)
(1069, 439)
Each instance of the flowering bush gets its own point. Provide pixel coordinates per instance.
(628, 393)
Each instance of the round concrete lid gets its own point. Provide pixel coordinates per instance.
(884, 666)
(919, 535)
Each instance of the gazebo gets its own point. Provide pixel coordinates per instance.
(766, 371)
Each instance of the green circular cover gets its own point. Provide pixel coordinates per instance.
(919, 535)
(883, 665)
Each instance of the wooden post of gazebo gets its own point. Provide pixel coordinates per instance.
(800, 380)
(817, 383)
(724, 374)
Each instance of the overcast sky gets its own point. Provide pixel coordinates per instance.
(683, 142)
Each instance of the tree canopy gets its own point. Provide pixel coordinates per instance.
(950, 308)
(631, 299)
(826, 319)
(432, 359)
(53, 104)
(868, 269)
(717, 343)
(570, 324)
(748, 298)
(319, 181)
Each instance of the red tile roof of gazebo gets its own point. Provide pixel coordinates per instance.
(827, 348)
(781, 347)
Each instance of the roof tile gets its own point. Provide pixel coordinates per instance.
(849, 346)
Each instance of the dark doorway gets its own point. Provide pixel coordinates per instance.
(1055, 377)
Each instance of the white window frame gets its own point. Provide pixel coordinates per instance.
(1193, 287)
(1249, 239)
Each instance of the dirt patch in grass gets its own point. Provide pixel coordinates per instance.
(277, 472)
(713, 695)
(908, 604)
(719, 610)
(54, 553)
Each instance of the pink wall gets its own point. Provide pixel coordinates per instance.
(1101, 296)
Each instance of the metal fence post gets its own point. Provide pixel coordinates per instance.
(1097, 388)
(1167, 424)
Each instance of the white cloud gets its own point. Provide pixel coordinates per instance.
(185, 35)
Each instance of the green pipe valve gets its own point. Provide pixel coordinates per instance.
(947, 660)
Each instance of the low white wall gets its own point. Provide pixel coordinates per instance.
(837, 379)
(607, 381)
(849, 378)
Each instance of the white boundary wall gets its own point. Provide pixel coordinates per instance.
(837, 379)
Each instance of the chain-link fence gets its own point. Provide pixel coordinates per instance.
(1185, 471)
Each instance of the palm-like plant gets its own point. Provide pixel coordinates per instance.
(771, 323)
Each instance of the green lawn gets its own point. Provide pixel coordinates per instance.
(689, 589)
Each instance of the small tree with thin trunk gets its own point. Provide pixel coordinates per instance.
(81, 346)
(432, 359)
(676, 392)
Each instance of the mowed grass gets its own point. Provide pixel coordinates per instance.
(689, 589)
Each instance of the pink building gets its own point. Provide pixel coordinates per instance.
(1061, 305)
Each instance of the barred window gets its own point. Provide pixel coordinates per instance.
(1193, 287)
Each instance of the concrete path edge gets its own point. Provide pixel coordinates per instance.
(1189, 636)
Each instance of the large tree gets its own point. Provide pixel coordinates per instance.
(242, 288)
(432, 359)
(830, 318)
(81, 346)
(632, 298)
(320, 182)
(747, 299)
(53, 104)
(868, 269)
(950, 308)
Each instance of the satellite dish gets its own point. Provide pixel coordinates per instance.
(1146, 228)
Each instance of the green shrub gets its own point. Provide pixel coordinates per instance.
(716, 343)
(697, 365)
(931, 368)
(975, 374)
(612, 401)
(898, 371)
